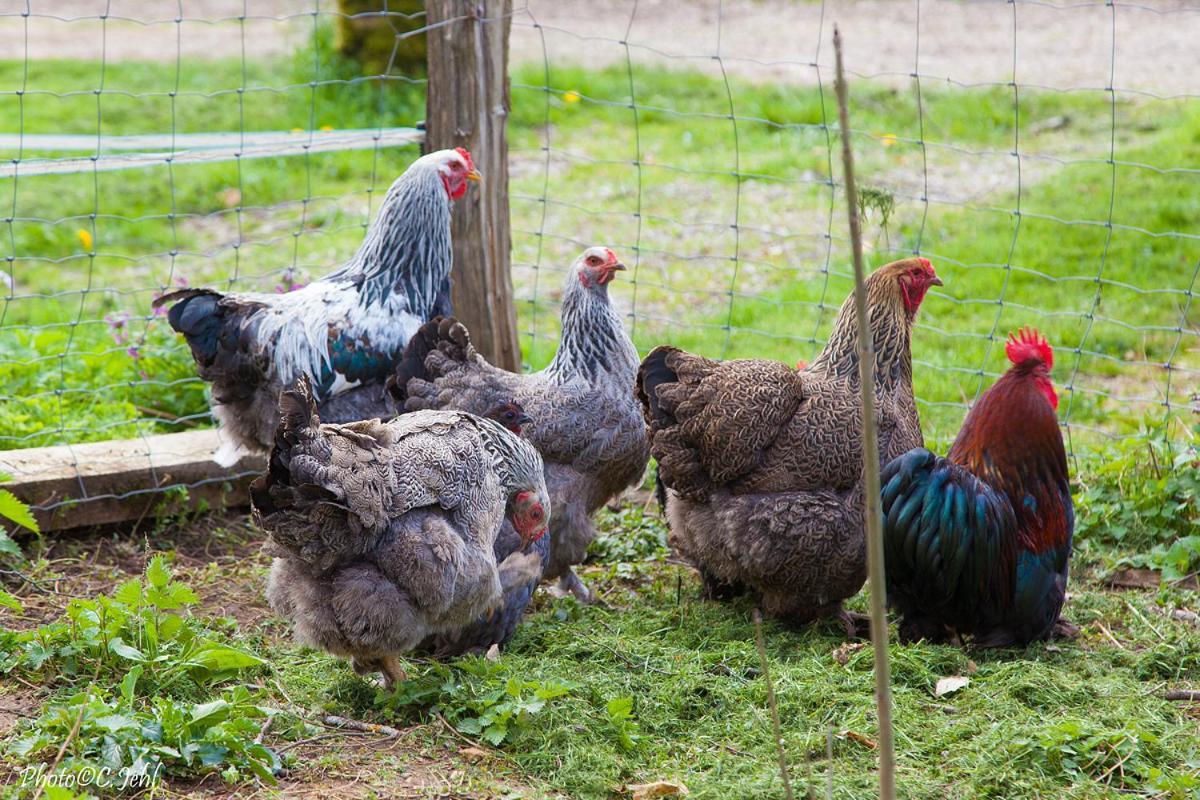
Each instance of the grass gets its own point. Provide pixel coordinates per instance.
(733, 227)
(657, 685)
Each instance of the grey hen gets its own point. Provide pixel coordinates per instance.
(384, 532)
(586, 422)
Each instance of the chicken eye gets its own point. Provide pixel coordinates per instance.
(536, 513)
(594, 261)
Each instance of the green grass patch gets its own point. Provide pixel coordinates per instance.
(720, 195)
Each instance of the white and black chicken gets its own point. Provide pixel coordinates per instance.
(346, 331)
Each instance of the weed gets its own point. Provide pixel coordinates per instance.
(1142, 500)
(478, 697)
(138, 741)
(138, 625)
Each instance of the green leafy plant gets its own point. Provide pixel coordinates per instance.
(629, 535)
(623, 722)
(478, 698)
(17, 513)
(1126, 758)
(130, 744)
(141, 624)
(1142, 497)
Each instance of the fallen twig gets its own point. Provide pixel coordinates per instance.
(266, 726)
(356, 725)
(1108, 635)
(1189, 695)
(312, 739)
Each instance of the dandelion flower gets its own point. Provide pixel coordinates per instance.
(889, 139)
(571, 97)
(85, 238)
(326, 127)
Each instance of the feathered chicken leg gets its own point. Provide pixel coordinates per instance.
(392, 672)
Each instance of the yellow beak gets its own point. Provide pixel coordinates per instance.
(474, 175)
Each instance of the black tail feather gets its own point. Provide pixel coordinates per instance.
(653, 373)
(412, 363)
(198, 315)
(445, 334)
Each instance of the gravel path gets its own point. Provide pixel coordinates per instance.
(1063, 46)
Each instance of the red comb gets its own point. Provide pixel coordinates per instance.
(1027, 343)
(925, 262)
(462, 151)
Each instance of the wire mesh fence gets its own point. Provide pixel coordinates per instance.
(1043, 156)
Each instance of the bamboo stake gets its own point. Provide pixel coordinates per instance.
(775, 728)
(866, 371)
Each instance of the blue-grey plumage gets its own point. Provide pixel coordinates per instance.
(517, 586)
(586, 423)
(385, 532)
(344, 331)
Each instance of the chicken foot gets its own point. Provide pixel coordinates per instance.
(569, 583)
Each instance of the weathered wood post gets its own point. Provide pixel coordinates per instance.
(467, 106)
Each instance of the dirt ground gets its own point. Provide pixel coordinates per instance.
(220, 556)
(1067, 45)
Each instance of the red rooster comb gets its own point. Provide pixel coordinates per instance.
(1027, 343)
(462, 151)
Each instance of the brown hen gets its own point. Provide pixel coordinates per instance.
(762, 463)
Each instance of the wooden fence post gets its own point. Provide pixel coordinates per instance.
(467, 106)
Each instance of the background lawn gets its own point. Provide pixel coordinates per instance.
(721, 194)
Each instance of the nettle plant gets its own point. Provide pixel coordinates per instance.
(1143, 498)
(478, 698)
(137, 625)
(142, 671)
(14, 514)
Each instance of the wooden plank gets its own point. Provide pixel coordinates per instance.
(103, 483)
(467, 106)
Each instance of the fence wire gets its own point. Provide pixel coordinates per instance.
(1041, 155)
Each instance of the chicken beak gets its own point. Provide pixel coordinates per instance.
(619, 266)
(528, 540)
(935, 281)
(474, 175)
(524, 419)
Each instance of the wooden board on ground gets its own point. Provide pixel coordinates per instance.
(102, 483)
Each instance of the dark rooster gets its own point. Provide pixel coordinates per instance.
(384, 532)
(978, 542)
(762, 463)
(346, 332)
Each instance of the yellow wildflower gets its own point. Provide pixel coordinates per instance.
(85, 238)
(571, 96)
(889, 139)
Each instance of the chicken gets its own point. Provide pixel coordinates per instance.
(978, 543)
(346, 331)
(762, 463)
(500, 623)
(384, 532)
(586, 423)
